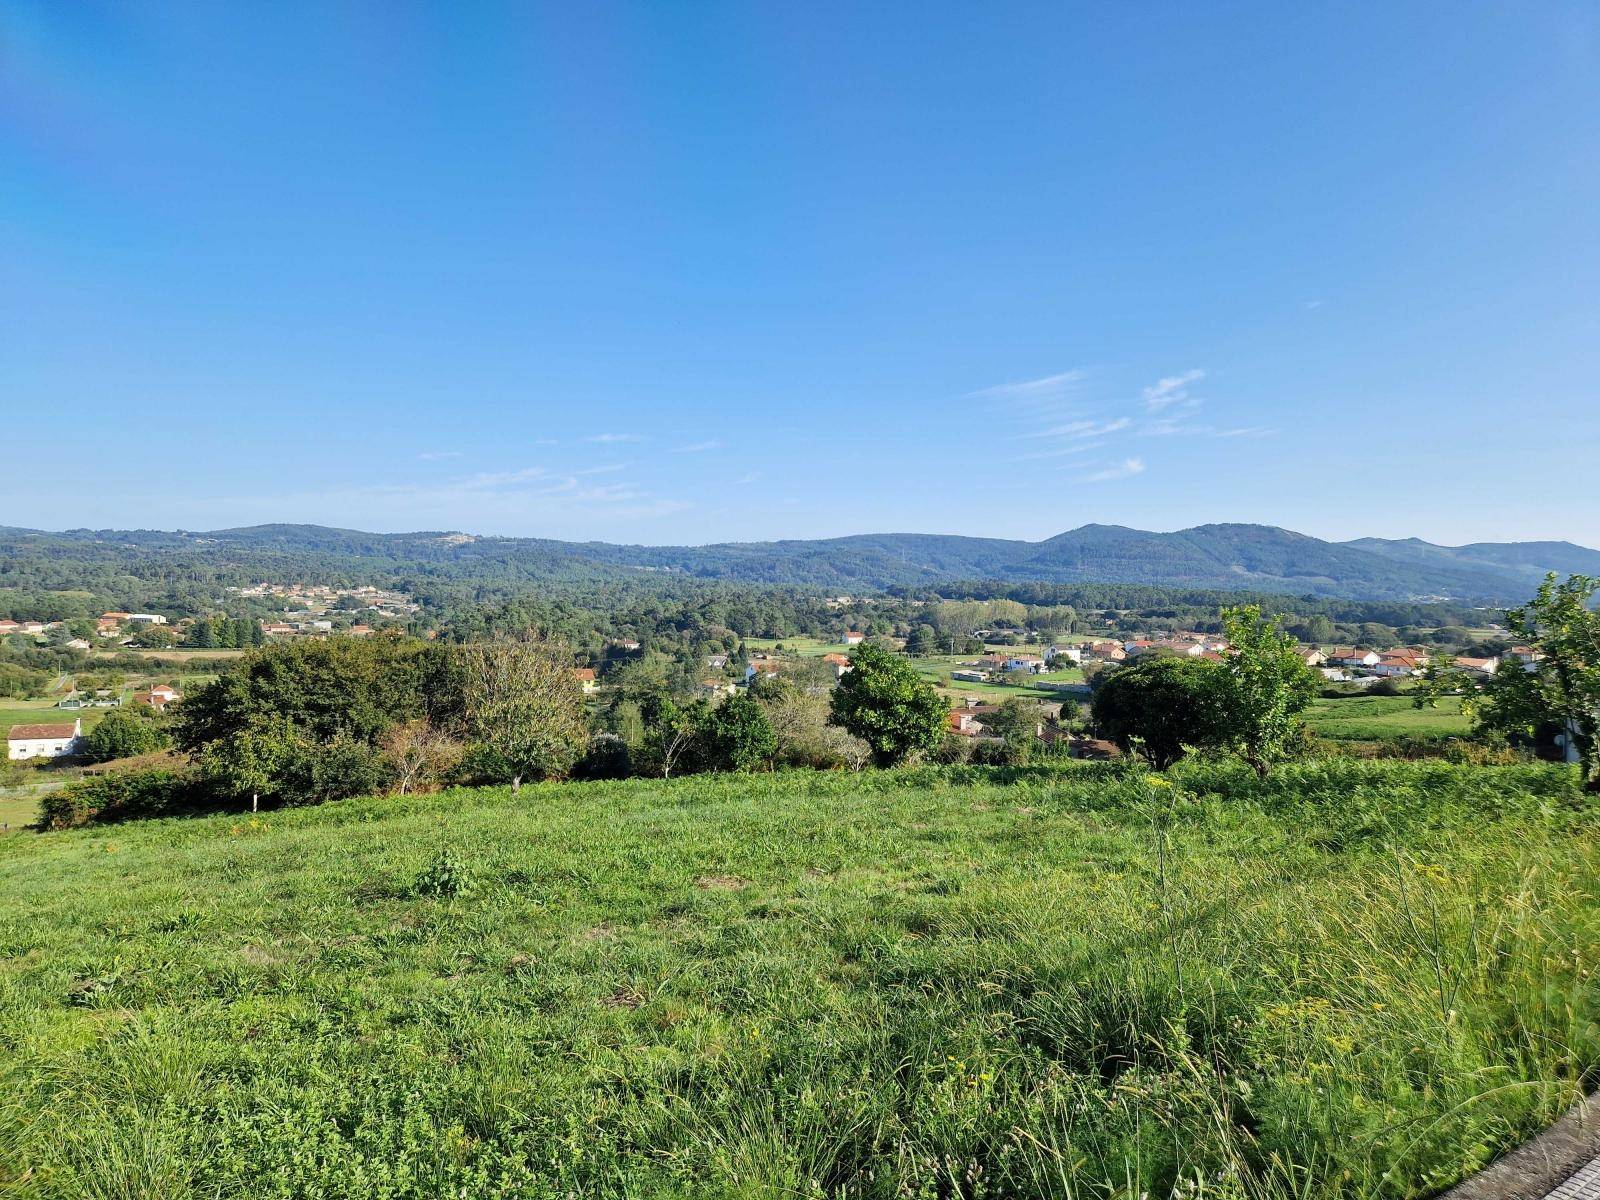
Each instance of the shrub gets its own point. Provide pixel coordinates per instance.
(124, 733)
(608, 757)
(121, 795)
(445, 877)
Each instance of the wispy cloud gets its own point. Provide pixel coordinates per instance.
(1247, 431)
(1122, 470)
(698, 447)
(547, 441)
(435, 455)
(1174, 389)
(1084, 429)
(614, 437)
(1049, 386)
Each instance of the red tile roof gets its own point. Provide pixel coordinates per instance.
(28, 733)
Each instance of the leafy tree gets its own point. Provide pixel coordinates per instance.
(1268, 686)
(924, 640)
(123, 733)
(738, 736)
(251, 760)
(887, 703)
(1441, 677)
(1016, 722)
(672, 732)
(520, 699)
(1162, 707)
(1563, 688)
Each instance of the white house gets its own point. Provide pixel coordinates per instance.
(1025, 662)
(1073, 654)
(42, 741)
(145, 619)
(854, 637)
(1346, 656)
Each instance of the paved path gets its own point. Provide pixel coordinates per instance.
(1562, 1163)
(1585, 1185)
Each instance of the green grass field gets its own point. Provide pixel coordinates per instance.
(1357, 979)
(1385, 718)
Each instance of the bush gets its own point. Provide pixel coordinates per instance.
(445, 877)
(124, 733)
(608, 757)
(120, 796)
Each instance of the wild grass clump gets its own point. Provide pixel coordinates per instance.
(1350, 979)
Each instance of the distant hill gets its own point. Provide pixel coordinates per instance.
(1231, 557)
(1528, 561)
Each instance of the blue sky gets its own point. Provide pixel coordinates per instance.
(668, 272)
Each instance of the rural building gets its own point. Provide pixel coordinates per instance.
(854, 637)
(1350, 656)
(711, 688)
(1399, 663)
(145, 619)
(1025, 662)
(586, 678)
(1311, 656)
(839, 662)
(967, 676)
(1482, 666)
(717, 662)
(158, 697)
(42, 741)
(1073, 654)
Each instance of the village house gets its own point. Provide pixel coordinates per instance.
(1399, 663)
(839, 662)
(1480, 666)
(145, 619)
(1527, 656)
(1350, 656)
(1073, 654)
(8, 627)
(588, 680)
(43, 741)
(1025, 662)
(158, 697)
(1311, 656)
(854, 637)
(717, 662)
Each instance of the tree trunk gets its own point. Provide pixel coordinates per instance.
(516, 784)
(255, 800)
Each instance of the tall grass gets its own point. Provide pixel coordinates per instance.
(1354, 979)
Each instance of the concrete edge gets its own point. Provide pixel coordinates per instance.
(1539, 1166)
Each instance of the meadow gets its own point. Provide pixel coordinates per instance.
(1354, 979)
(1386, 718)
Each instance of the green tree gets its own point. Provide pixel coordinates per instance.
(1268, 686)
(1441, 677)
(738, 736)
(1016, 722)
(521, 700)
(887, 703)
(123, 733)
(1162, 708)
(1562, 690)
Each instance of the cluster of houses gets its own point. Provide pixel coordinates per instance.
(316, 599)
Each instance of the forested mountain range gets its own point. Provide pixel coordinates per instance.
(1234, 557)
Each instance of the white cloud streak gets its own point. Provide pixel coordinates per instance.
(1174, 389)
(1123, 470)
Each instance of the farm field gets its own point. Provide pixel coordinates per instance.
(1356, 979)
(176, 655)
(1385, 718)
(45, 712)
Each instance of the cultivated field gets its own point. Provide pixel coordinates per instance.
(1385, 718)
(1355, 979)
